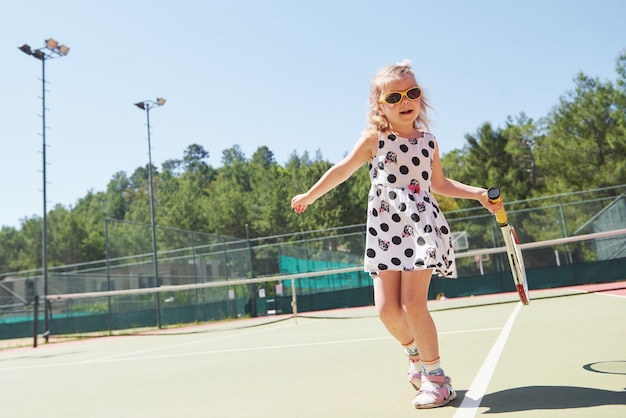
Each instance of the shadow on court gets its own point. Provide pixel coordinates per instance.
(532, 398)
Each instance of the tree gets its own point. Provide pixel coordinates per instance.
(263, 157)
(585, 144)
(76, 235)
(182, 202)
(193, 159)
(268, 200)
(117, 200)
(523, 177)
(303, 173)
(483, 161)
(227, 206)
(173, 166)
(13, 248)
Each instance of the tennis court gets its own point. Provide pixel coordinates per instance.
(559, 356)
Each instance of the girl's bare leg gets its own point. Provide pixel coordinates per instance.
(388, 301)
(414, 302)
(401, 299)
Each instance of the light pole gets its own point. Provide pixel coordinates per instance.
(147, 105)
(50, 50)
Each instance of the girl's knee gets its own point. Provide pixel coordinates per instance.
(415, 309)
(389, 313)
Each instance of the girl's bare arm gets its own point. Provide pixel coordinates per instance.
(338, 173)
(452, 188)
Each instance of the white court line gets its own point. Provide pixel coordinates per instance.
(474, 396)
(470, 330)
(114, 359)
(137, 355)
(170, 346)
(119, 356)
(608, 294)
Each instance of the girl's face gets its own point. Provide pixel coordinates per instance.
(404, 113)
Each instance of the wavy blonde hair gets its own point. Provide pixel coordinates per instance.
(381, 80)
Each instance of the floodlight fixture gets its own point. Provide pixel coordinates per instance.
(149, 104)
(25, 49)
(50, 50)
(51, 43)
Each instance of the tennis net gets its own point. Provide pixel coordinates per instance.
(564, 266)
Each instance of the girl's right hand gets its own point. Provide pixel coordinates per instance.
(488, 204)
(299, 203)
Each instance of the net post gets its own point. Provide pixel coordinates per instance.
(47, 307)
(35, 320)
(294, 300)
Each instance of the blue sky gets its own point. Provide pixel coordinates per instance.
(291, 75)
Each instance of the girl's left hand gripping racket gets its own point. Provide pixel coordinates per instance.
(512, 248)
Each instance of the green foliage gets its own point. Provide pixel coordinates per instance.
(585, 142)
(14, 254)
(579, 145)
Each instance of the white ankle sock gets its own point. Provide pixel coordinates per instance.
(411, 348)
(433, 367)
(412, 352)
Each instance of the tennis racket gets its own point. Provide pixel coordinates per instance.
(513, 251)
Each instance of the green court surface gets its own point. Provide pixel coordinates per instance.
(557, 357)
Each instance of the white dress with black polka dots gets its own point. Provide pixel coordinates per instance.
(406, 230)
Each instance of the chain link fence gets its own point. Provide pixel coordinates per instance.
(187, 257)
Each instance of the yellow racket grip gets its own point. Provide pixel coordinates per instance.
(494, 197)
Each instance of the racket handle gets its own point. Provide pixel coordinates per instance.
(494, 197)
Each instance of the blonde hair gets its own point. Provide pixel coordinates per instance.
(378, 122)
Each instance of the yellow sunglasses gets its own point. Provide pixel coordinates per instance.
(394, 97)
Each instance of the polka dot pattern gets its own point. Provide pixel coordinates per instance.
(406, 230)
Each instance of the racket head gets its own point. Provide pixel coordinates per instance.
(517, 263)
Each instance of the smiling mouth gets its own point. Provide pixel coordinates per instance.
(407, 112)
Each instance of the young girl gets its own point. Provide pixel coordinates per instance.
(407, 237)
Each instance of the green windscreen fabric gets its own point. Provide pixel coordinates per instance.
(292, 265)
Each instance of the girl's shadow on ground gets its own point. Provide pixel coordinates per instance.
(547, 397)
